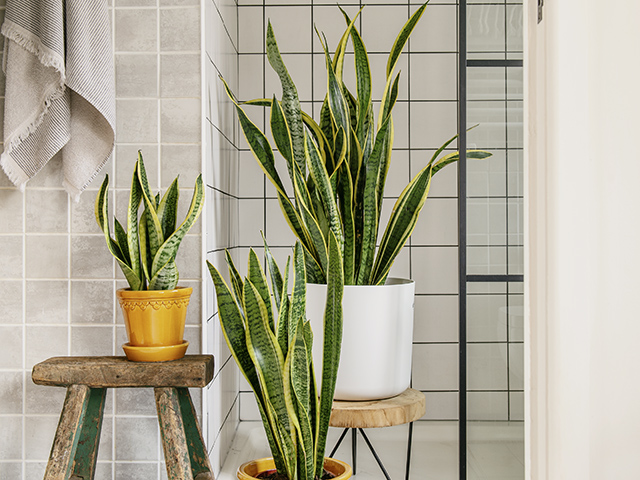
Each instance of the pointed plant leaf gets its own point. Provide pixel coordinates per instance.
(402, 38)
(102, 218)
(169, 248)
(259, 280)
(331, 348)
(168, 209)
(290, 101)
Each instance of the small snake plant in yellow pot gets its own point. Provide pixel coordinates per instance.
(154, 307)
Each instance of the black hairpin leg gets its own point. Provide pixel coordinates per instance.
(354, 443)
(375, 455)
(409, 444)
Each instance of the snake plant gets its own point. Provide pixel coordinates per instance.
(272, 346)
(146, 251)
(338, 167)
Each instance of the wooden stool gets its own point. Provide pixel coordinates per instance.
(404, 408)
(75, 447)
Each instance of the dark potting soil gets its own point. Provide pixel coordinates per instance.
(273, 475)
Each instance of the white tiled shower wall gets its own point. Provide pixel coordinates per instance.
(424, 118)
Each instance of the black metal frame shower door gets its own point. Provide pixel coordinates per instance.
(463, 276)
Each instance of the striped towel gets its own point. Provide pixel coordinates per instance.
(60, 92)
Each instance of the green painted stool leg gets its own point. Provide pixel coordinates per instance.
(78, 434)
(200, 465)
(184, 452)
(84, 465)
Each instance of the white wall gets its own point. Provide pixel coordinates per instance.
(583, 118)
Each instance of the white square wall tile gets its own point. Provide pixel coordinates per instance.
(435, 269)
(436, 31)
(441, 406)
(278, 232)
(251, 221)
(436, 318)
(248, 407)
(437, 223)
(487, 406)
(433, 123)
(393, 17)
(516, 366)
(434, 76)
(487, 366)
(292, 27)
(435, 366)
(487, 318)
(251, 40)
(39, 432)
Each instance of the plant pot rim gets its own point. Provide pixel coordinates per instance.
(343, 475)
(176, 292)
(391, 282)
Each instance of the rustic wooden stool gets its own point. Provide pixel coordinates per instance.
(404, 408)
(75, 447)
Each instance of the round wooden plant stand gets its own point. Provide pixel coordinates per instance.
(356, 415)
(75, 447)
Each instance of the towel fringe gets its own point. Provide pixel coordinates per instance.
(13, 172)
(32, 44)
(33, 123)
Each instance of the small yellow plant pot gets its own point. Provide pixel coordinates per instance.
(251, 470)
(154, 320)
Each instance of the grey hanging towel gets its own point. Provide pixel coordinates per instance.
(60, 92)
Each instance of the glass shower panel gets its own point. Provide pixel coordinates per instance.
(494, 238)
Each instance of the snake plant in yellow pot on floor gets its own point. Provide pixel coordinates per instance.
(338, 169)
(271, 343)
(154, 306)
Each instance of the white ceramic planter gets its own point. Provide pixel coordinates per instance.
(375, 359)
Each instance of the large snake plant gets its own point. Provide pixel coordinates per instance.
(147, 250)
(272, 347)
(338, 167)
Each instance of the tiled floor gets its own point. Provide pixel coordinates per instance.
(496, 451)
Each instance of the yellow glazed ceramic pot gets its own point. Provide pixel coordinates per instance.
(154, 320)
(251, 470)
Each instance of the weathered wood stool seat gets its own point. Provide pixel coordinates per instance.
(407, 407)
(75, 447)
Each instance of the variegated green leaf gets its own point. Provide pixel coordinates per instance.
(403, 219)
(332, 345)
(145, 253)
(335, 94)
(236, 281)
(259, 280)
(402, 38)
(168, 209)
(122, 241)
(269, 361)
(321, 179)
(370, 212)
(290, 101)
(154, 227)
(261, 149)
(345, 203)
(317, 238)
(169, 248)
(363, 79)
(281, 134)
(300, 374)
(274, 274)
(102, 217)
(299, 293)
(135, 198)
(166, 278)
